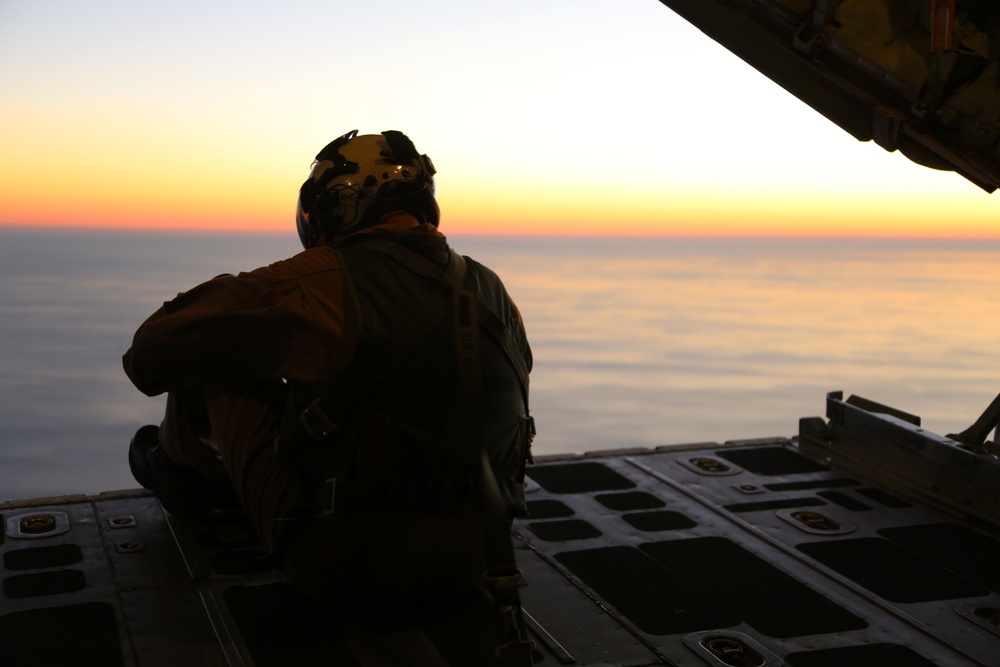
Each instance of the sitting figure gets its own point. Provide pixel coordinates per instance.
(365, 402)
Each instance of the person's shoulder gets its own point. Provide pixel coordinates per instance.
(305, 263)
(485, 282)
(482, 272)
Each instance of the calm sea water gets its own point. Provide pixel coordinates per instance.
(636, 341)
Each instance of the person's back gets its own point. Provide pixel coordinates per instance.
(334, 390)
(411, 389)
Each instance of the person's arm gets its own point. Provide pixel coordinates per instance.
(285, 320)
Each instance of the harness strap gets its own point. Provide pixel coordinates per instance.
(455, 273)
(502, 575)
(468, 315)
(322, 418)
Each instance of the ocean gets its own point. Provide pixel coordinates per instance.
(637, 342)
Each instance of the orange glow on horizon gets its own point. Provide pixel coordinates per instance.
(199, 199)
(108, 125)
(522, 228)
(150, 175)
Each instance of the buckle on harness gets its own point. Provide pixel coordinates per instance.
(515, 645)
(503, 580)
(315, 421)
(329, 495)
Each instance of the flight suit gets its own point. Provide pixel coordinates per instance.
(235, 352)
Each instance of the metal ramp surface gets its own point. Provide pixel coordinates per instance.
(757, 552)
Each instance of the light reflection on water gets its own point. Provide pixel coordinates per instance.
(636, 342)
(692, 340)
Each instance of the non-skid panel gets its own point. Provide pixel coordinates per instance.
(884, 498)
(33, 558)
(768, 505)
(55, 582)
(764, 596)
(564, 530)
(81, 635)
(844, 500)
(629, 501)
(771, 461)
(868, 655)
(682, 586)
(579, 478)
(655, 599)
(959, 548)
(659, 520)
(808, 485)
(889, 570)
(547, 509)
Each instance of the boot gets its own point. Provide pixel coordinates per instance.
(182, 490)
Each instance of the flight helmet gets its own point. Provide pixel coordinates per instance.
(355, 180)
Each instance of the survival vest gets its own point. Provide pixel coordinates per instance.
(404, 426)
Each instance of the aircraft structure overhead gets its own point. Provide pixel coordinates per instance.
(918, 76)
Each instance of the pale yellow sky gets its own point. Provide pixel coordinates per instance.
(584, 116)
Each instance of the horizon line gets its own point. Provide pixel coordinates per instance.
(579, 234)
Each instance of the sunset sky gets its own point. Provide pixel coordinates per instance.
(583, 116)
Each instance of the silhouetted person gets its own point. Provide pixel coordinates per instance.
(343, 396)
